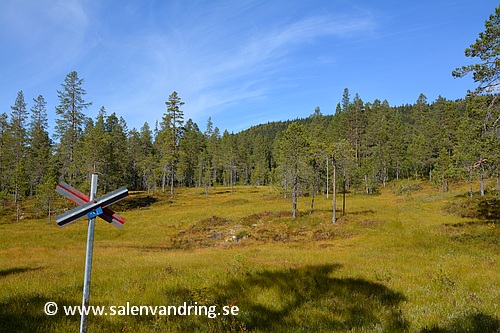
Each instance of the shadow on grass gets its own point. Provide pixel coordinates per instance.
(306, 299)
(472, 323)
(26, 314)
(135, 202)
(17, 270)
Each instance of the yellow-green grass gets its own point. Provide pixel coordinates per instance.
(394, 263)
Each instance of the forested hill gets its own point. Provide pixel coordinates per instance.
(373, 142)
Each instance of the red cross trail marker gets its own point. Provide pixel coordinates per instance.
(86, 207)
(91, 207)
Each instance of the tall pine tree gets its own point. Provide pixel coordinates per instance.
(293, 151)
(18, 146)
(69, 126)
(169, 137)
(39, 152)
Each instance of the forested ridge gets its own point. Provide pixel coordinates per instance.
(362, 146)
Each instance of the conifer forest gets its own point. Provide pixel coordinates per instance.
(361, 147)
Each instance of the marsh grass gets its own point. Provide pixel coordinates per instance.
(397, 262)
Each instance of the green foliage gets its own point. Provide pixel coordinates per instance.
(69, 127)
(487, 49)
(293, 152)
(168, 139)
(39, 144)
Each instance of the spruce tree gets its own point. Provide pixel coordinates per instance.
(134, 157)
(229, 148)
(293, 150)
(93, 148)
(116, 145)
(190, 148)
(149, 161)
(39, 152)
(18, 146)
(69, 125)
(4, 139)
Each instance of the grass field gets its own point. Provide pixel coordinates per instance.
(394, 263)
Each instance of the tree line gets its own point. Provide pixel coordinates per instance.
(366, 144)
(360, 147)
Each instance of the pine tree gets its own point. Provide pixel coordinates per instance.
(46, 195)
(229, 148)
(345, 100)
(134, 158)
(4, 139)
(115, 159)
(486, 74)
(398, 143)
(93, 148)
(206, 161)
(149, 161)
(356, 125)
(487, 49)
(475, 146)
(18, 148)
(39, 152)
(318, 155)
(69, 125)
(293, 150)
(377, 143)
(190, 148)
(170, 135)
(259, 160)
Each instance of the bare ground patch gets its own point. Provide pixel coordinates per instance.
(256, 228)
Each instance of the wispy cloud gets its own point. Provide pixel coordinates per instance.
(222, 69)
(51, 32)
(217, 56)
(261, 56)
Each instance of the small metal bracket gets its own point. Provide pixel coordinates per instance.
(95, 213)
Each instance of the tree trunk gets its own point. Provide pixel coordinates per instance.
(481, 177)
(294, 197)
(163, 180)
(48, 204)
(445, 185)
(366, 185)
(334, 217)
(312, 203)
(343, 199)
(470, 182)
(285, 187)
(327, 180)
(231, 178)
(172, 177)
(18, 211)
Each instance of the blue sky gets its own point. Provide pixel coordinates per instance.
(240, 62)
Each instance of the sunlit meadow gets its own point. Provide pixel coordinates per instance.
(396, 262)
